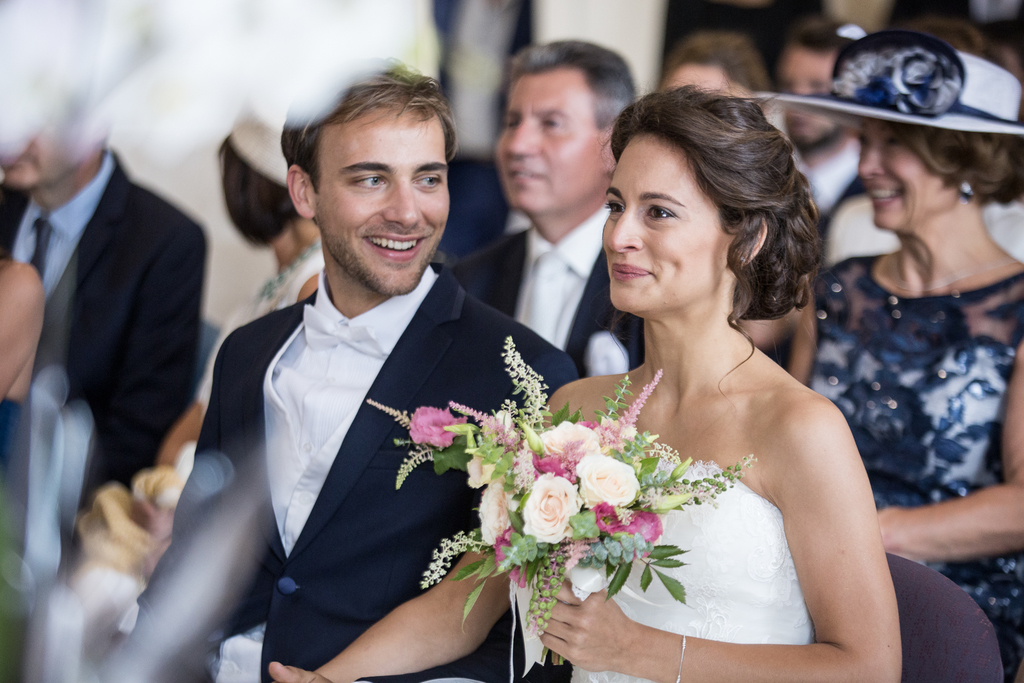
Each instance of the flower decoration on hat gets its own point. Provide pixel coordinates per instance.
(917, 79)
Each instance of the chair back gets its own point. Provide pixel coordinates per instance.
(946, 637)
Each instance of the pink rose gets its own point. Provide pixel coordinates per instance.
(647, 524)
(427, 426)
(552, 465)
(607, 519)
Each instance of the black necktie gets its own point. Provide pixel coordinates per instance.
(43, 230)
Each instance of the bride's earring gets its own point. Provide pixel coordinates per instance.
(966, 192)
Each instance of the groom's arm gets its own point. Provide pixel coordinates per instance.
(422, 633)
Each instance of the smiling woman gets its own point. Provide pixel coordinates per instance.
(920, 348)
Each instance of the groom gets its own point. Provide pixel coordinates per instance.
(345, 548)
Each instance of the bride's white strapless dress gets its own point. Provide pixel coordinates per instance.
(741, 585)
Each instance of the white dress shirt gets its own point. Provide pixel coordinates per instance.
(311, 392)
(554, 277)
(68, 223)
(830, 178)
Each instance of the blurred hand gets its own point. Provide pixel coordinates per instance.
(290, 674)
(158, 522)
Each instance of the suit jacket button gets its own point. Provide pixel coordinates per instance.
(286, 585)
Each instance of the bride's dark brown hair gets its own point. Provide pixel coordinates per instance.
(745, 166)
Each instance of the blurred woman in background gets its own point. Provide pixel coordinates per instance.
(919, 348)
(255, 180)
(723, 61)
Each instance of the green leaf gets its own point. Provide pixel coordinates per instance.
(560, 416)
(649, 465)
(488, 568)
(646, 578)
(468, 571)
(660, 552)
(531, 572)
(675, 588)
(454, 457)
(668, 563)
(621, 574)
(576, 417)
(471, 600)
(516, 520)
(584, 525)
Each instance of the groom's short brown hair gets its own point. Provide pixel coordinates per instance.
(399, 90)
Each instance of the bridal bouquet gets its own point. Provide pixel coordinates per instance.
(561, 495)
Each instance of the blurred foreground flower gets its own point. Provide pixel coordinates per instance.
(172, 75)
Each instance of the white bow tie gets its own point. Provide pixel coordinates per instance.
(323, 334)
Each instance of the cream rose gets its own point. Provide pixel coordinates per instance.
(548, 509)
(604, 479)
(556, 439)
(494, 512)
(479, 473)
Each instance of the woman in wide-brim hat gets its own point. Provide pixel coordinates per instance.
(918, 348)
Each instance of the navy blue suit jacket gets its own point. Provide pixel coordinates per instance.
(134, 331)
(365, 545)
(495, 274)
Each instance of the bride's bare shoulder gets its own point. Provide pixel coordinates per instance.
(586, 394)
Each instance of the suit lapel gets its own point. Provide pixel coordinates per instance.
(591, 314)
(252, 416)
(101, 227)
(410, 364)
(509, 275)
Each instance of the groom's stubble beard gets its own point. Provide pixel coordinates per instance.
(356, 267)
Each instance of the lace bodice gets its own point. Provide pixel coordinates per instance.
(741, 585)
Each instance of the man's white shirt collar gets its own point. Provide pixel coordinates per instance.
(387, 320)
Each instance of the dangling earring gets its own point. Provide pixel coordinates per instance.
(966, 192)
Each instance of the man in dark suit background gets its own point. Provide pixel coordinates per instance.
(343, 547)
(123, 274)
(555, 164)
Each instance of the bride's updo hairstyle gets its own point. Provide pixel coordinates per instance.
(745, 166)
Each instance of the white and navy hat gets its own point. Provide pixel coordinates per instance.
(259, 145)
(913, 77)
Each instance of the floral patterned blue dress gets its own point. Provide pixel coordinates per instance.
(922, 383)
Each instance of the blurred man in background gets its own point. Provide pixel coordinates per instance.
(829, 152)
(555, 165)
(123, 273)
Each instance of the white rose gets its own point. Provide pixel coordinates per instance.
(494, 512)
(556, 439)
(604, 479)
(479, 473)
(548, 509)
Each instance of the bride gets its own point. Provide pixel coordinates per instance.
(787, 580)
